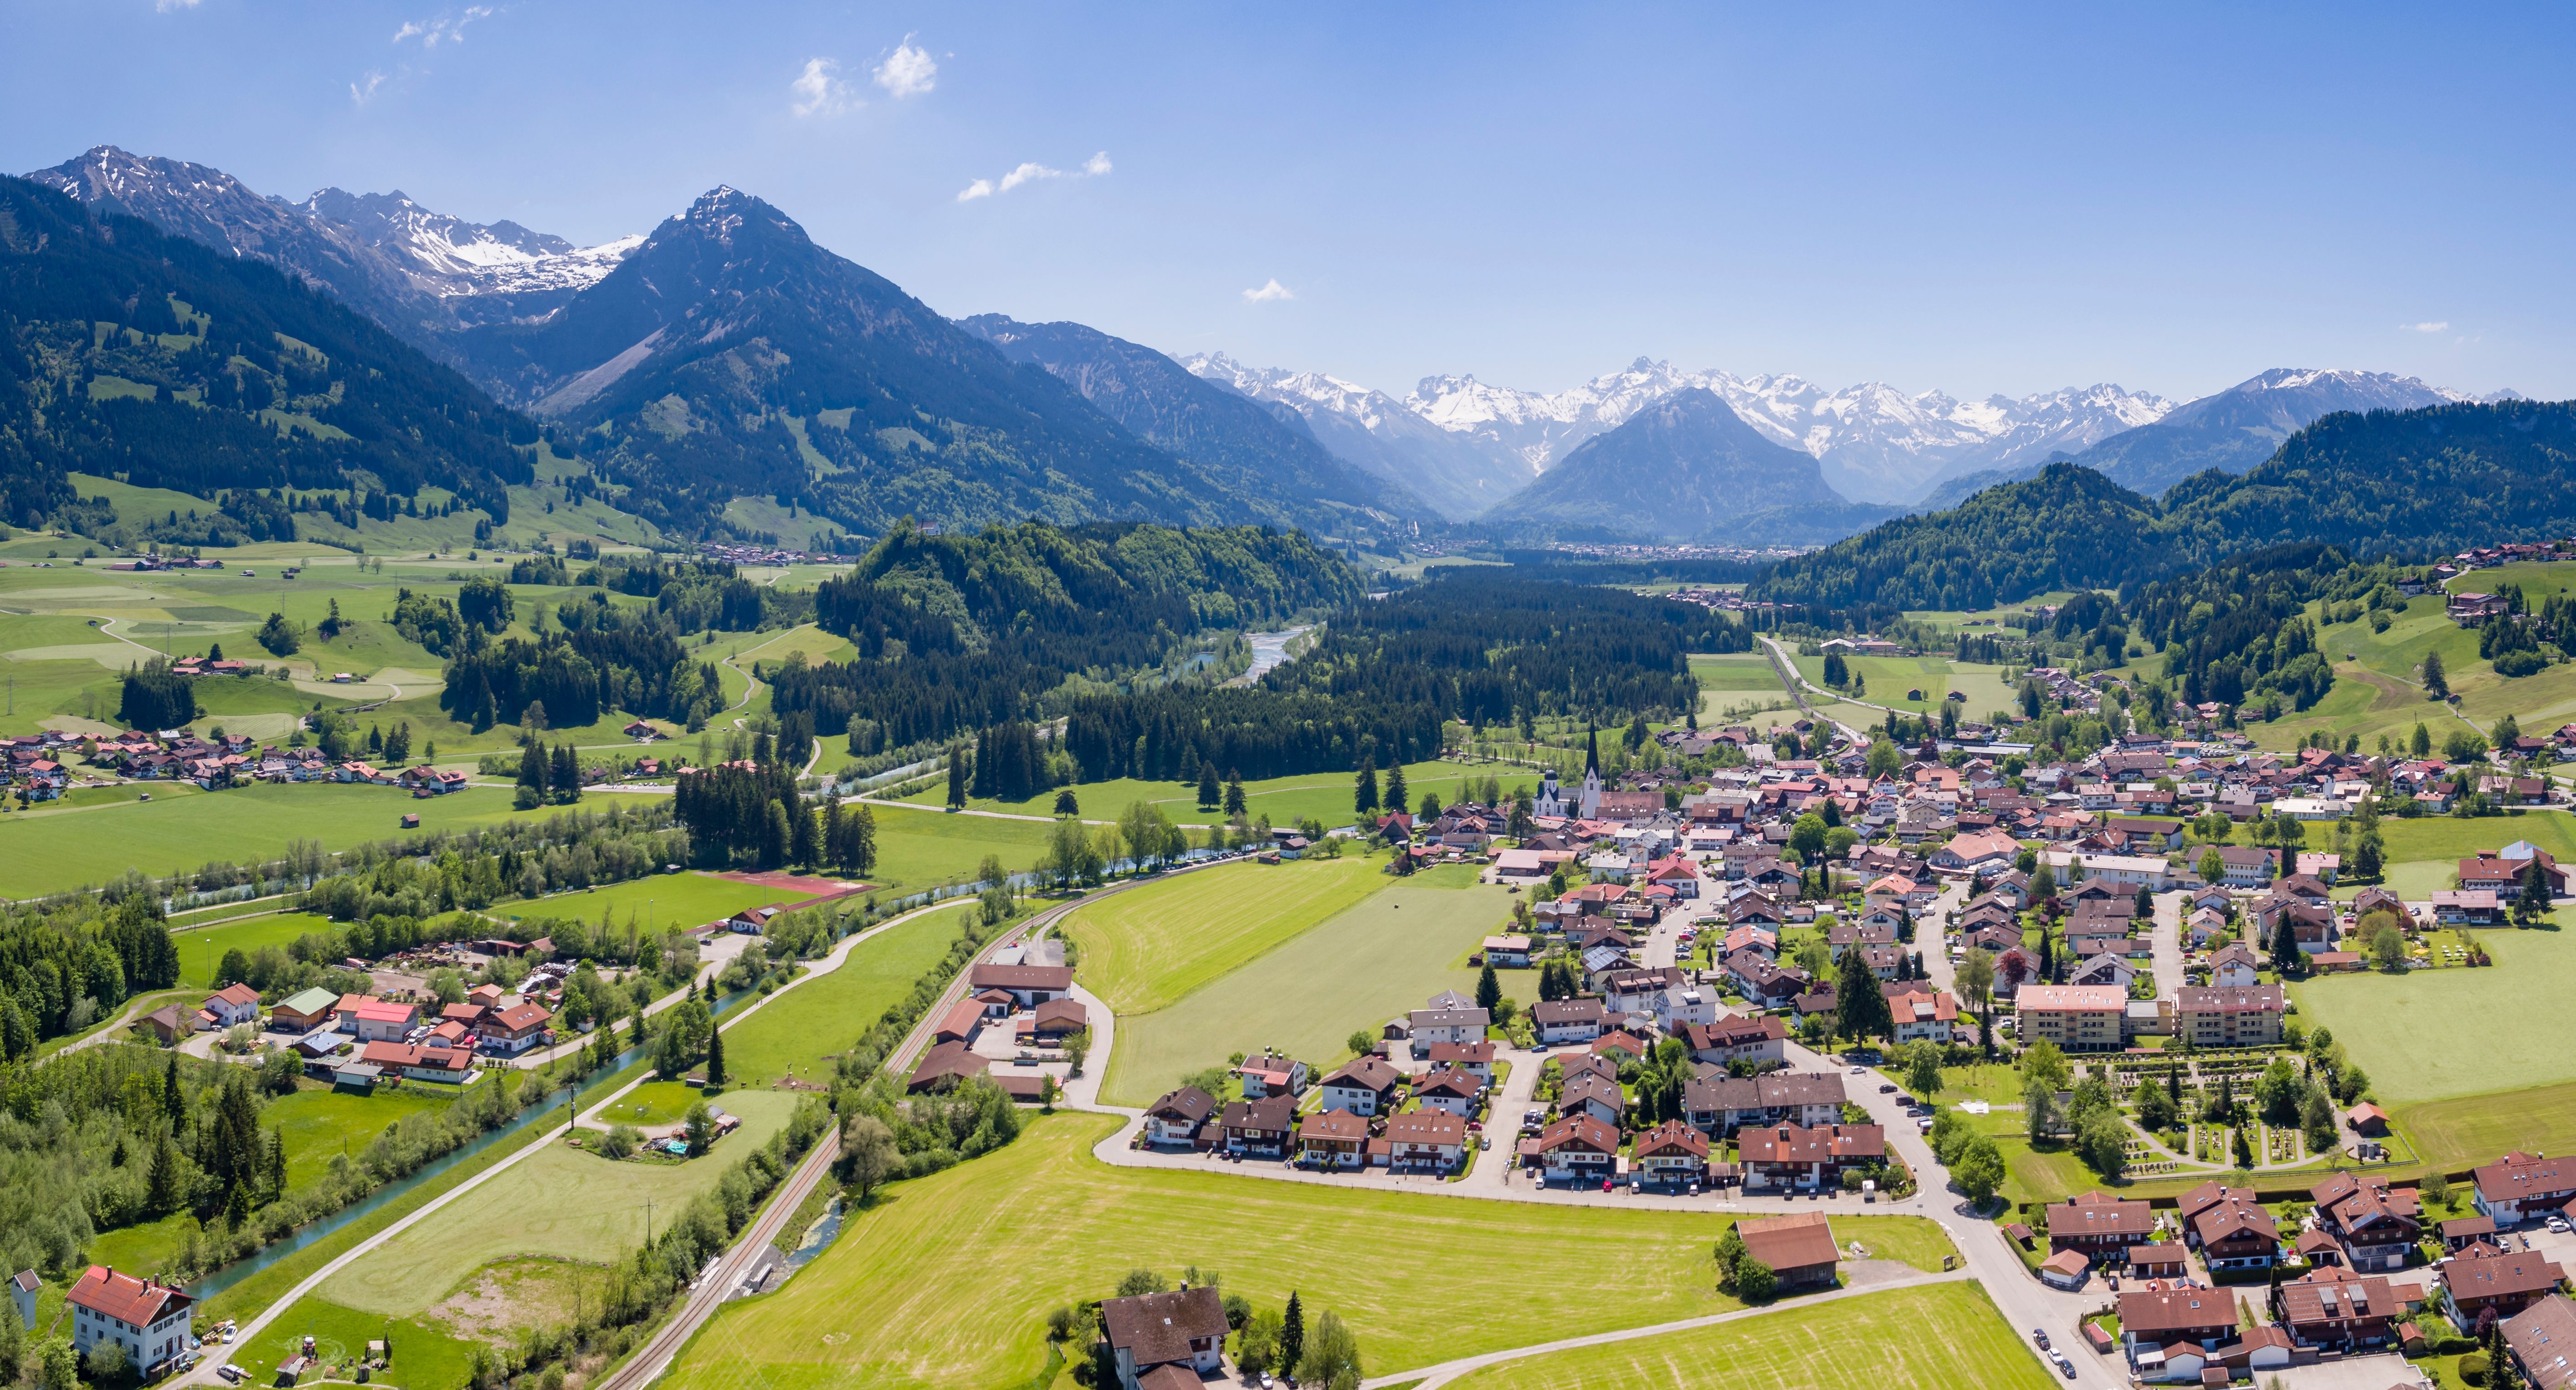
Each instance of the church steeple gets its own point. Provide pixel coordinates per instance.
(1591, 752)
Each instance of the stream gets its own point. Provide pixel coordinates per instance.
(1269, 651)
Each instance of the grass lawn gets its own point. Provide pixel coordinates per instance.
(1735, 671)
(1147, 947)
(51, 851)
(913, 1293)
(918, 849)
(794, 1032)
(322, 1122)
(1363, 966)
(2467, 1130)
(1785, 1349)
(653, 1103)
(427, 1355)
(2450, 839)
(565, 1203)
(658, 900)
(201, 949)
(1326, 796)
(2472, 1031)
(1889, 677)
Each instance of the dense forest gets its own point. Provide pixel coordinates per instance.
(2389, 484)
(959, 632)
(127, 353)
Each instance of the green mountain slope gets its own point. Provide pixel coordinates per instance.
(2406, 483)
(127, 353)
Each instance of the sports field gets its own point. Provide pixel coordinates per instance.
(1326, 796)
(2432, 1034)
(51, 851)
(562, 1202)
(1786, 1349)
(947, 1280)
(1361, 967)
(201, 949)
(794, 1032)
(655, 901)
(1147, 947)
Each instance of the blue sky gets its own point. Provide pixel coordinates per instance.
(1981, 200)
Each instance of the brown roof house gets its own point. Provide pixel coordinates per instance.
(2507, 1281)
(2542, 1338)
(2337, 1308)
(1333, 1139)
(1165, 1341)
(1800, 1249)
(1177, 1116)
(1260, 1126)
(2375, 1224)
(2098, 1226)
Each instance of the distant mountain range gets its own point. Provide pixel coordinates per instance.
(1683, 467)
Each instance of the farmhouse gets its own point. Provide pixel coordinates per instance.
(148, 1319)
(1800, 1249)
(1180, 1332)
(1259, 1126)
(1176, 1116)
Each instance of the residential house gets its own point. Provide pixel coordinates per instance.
(1577, 1148)
(2523, 1186)
(1800, 1249)
(2338, 1309)
(2376, 1225)
(946, 1065)
(1332, 1139)
(1592, 1095)
(2542, 1338)
(1261, 1126)
(2235, 966)
(1431, 1026)
(2161, 1319)
(1364, 1086)
(2229, 1227)
(447, 1065)
(148, 1319)
(1475, 1058)
(1806, 1159)
(1426, 1141)
(1759, 1041)
(514, 1029)
(2248, 866)
(1922, 1012)
(234, 1003)
(1671, 1153)
(2098, 1226)
(1568, 1020)
(1165, 1341)
(1177, 1116)
(1451, 1090)
(1270, 1074)
(2229, 1015)
(1720, 1105)
(2481, 1277)
(1507, 951)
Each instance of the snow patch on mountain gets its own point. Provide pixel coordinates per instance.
(451, 256)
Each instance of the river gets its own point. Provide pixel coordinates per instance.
(1269, 651)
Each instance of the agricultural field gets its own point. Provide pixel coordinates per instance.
(2435, 1034)
(50, 851)
(201, 949)
(911, 1294)
(1889, 677)
(798, 1033)
(921, 848)
(1146, 948)
(1326, 796)
(660, 900)
(1366, 964)
(1782, 1349)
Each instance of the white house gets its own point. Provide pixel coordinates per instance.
(150, 1320)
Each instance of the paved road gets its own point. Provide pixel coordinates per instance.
(1930, 932)
(2168, 942)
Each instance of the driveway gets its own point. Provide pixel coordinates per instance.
(2168, 945)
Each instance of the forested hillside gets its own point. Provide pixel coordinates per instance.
(2404, 484)
(958, 632)
(127, 353)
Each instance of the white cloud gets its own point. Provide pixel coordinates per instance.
(1268, 292)
(1031, 172)
(819, 92)
(908, 71)
(1028, 173)
(2426, 327)
(166, 6)
(446, 28)
(365, 87)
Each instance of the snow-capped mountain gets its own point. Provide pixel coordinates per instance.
(452, 256)
(1876, 443)
(1456, 472)
(422, 274)
(2235, 429)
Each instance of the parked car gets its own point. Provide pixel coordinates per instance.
(232, 1373)
(2040, 1335)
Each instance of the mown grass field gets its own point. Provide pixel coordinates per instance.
(658, 901)
(428, 1355)
(946, 1281)
(1326, 796)
(565, 1203)
(201, 949)
(1357, 969)
(1889, 677)
(45, 851)
(919, 849)
(2464, 1131)
(1146, 948)
(2433, 1034)
(1789, 1348)
(795, 1032)
(653, 1103)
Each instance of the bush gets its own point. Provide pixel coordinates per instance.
(621, 1141)
(2473, 1367)
(2520, 663)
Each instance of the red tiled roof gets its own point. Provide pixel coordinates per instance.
(122, 1296)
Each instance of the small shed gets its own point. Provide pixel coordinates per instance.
(2067, 1269)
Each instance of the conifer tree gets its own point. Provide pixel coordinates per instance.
(1364, 787)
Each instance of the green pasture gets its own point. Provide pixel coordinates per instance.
(1326, 796)
(49, 851)
(1889, 677)
(913, 1295)
(1148, 947)
(917, 849)
(2493, 1029)
(428, 1355)
(1784, 1349)
(655, 901)
(653, 1103)
(321, 1123)
(201, 949)
(561, 1202)
(796, 1033)
(1357, 969)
